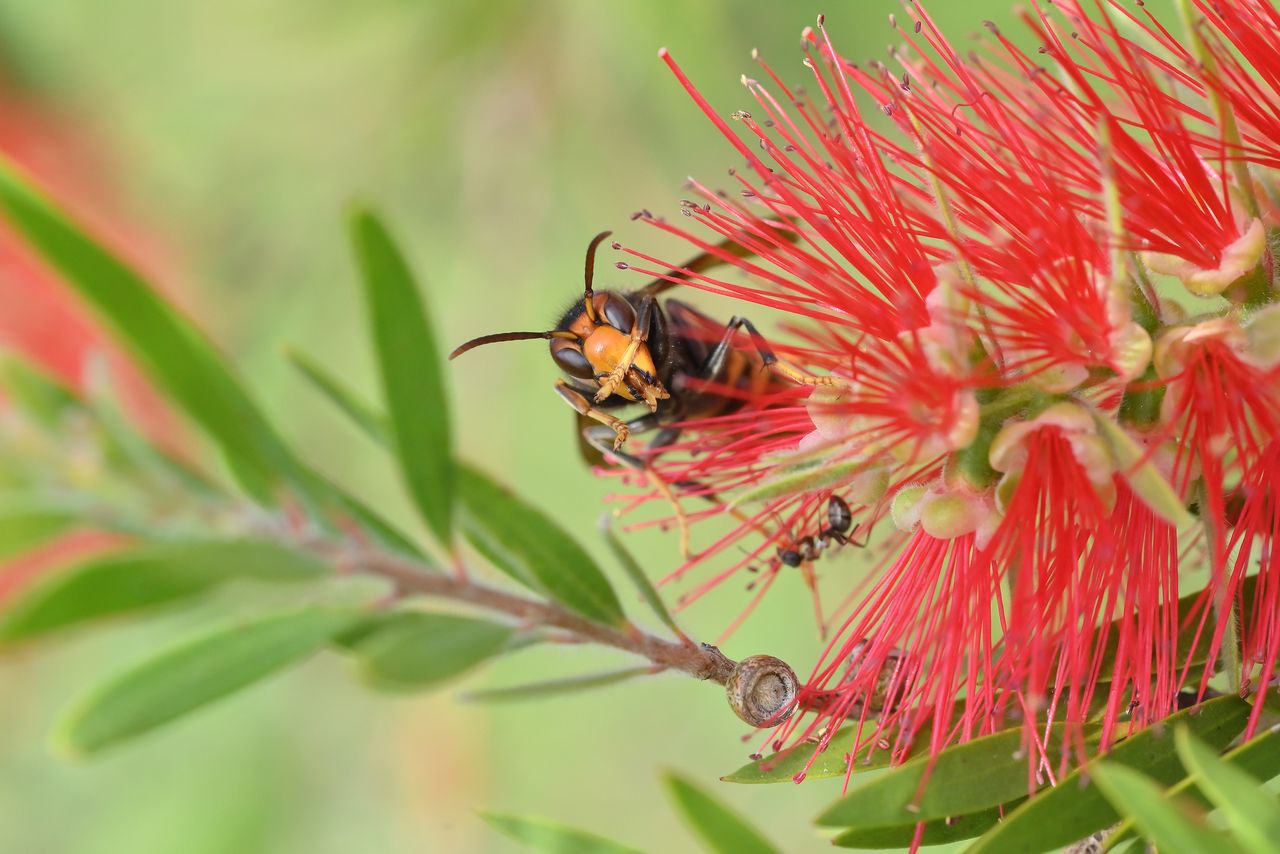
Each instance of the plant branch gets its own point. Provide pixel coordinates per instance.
(703, 661)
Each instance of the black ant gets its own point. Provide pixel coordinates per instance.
(839, 525)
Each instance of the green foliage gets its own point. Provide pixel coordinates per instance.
(1253, 815)
(1143, 477)
(782, 767)
(541, 834)
(186, 677)
(720, 829)
(26, 525)
(963, 779)
(372, 423)
(414, 650)
(36, 394)
(515, 536)
(1072, 810)
(937, 832)
(636, 574)
(523, 542)
(556, 687)
(167, 345)
(412, 380)
(1171, 826)
(1259, 758)
(145, 578)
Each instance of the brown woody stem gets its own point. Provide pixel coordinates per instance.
(411, 578)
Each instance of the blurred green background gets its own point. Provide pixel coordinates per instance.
(496, 138)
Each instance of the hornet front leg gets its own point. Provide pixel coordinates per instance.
(579, 402)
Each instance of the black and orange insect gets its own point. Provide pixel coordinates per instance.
(620, 348)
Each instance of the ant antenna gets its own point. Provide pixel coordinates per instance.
(589, 274)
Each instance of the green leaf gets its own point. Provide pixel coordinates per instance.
(555, 687)
(28, 525)
(1188, 650)
(783, 767)
(146, 578)
(1252, 814)
(804, 475)
(415, 650)
(168, 346)
(412, 379)
(1072, 810)
(127, 447)
(197, 672)
(374, 425)
(638, 577)
(542, 834)
(523, 542)
(35, 391)
(379, 528)
(361, 412)
(1143, 477)
(964, 778)
(1164, 823)
(936, 832)
(721, 829)
(1259, 757)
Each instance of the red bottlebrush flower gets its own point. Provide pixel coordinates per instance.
(1016, 406)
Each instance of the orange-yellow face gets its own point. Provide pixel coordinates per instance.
(605, 348)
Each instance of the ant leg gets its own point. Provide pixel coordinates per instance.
(847, 539)
(583, 406)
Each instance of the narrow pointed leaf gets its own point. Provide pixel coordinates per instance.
(1143, 477)
(174, 353)
(412, 379)
(414, 650)
(555, 687)
(1252, 814)
(1188, 651)
(962, 779)
(374, 424)
(28, 525)
(379, 528)
(146, 578)
(523, 542)
(720, 829)
(1259, 758)
(1072, 810)
(360, 411)
(541, 834)
(36, 392)
(804, 476)
(783, 767)
(130, 447)
(636, 573)
(195, 673)
(937, 832)
(1164, 823)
